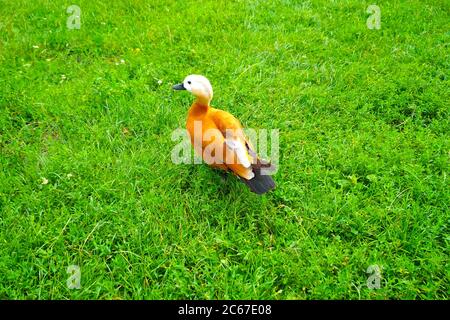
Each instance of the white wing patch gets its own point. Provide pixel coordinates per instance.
(241, 151)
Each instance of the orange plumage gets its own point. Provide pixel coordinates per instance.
(218, 137)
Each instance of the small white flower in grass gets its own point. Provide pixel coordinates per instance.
(69, 175)
(63, 77)
(35, 47)
(160, 82)
(44, 181)
(122, 61)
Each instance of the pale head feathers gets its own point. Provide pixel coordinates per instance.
(199, 86)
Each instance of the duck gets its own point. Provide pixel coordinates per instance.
(218, 137)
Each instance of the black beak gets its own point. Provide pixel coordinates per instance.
(179, 86)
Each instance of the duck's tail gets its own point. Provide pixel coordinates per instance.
(261, 182)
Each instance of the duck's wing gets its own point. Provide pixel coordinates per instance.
(231, 129)
(235, 141)
(226, 121)
(249, 167)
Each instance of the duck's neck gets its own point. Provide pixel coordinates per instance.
(200, 105)
(202, 100)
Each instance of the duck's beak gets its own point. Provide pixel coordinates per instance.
(179, 86)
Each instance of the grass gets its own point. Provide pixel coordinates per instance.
(86, 172)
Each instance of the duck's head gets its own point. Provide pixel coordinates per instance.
(199, 86)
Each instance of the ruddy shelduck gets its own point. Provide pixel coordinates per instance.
(218, 137)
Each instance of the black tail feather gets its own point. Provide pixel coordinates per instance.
(260, 184)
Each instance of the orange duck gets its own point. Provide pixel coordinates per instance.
(217, 136)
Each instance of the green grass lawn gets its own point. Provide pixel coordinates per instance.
(86, 178)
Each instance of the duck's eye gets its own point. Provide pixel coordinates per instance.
(189, 82)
